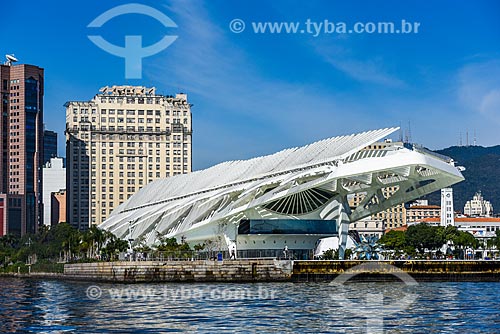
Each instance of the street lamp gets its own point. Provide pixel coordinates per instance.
(130, 240)
(29, 256)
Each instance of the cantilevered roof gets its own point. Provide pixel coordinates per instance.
(309, 182)
(241, 171)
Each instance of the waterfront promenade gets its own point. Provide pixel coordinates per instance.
(275, 270)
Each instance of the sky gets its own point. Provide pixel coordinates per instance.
(256, 93)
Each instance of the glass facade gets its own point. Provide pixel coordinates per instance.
(49, 145)
(287, 226)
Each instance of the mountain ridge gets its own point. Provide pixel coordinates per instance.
(482, 173)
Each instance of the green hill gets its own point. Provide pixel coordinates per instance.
(482, 173)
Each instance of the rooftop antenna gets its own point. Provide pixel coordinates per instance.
(409, 132)
(400, 132)
(10, 59)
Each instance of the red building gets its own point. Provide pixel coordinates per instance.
(21, 148)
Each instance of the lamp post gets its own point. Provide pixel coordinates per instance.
(29, 256)
(130, 240)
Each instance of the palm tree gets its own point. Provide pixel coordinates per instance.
(96, 239)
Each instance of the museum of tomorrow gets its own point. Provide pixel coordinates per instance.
(291, 198)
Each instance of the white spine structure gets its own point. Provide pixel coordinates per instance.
(306, 183)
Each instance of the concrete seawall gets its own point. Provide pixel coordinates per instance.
(247, 270)
(272, 270)
(420, 270)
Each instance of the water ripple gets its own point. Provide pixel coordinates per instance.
(38, 306)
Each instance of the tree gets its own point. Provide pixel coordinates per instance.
(395, 240)
(448, 233)
(423, 236)
(199, 247)
(95, 237)
(496, 240)
(465, 240)
(331, 254)
(141, 245)
(114, 246)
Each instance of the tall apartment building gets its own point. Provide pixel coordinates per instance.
(122, 139)
(21, 148)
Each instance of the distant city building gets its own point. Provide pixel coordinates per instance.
(421, 209)
(54, 180)
(21, 149)
(49, 145)
(480, 227)
(368, 227)
(58, 207)
(116, 143)
(478, 206)
(447, 215)
(419, 202)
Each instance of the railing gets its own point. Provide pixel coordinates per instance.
(423, 150)
(302, 254)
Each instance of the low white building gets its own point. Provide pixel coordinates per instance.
(479, 227)
(54, 180)
(369, 227)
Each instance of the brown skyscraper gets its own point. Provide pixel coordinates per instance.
(21, 134)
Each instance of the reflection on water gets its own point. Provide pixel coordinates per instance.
(50, 306)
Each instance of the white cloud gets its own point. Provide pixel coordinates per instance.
(242, 111)
(479, 88)
(371, 71)
(272, 113)
(365, 71)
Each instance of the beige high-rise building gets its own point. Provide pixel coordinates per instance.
(122, 139)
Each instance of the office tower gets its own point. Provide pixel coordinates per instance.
(49, 145)
(21, 149)
(122, 139)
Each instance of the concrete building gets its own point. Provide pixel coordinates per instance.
(116, 143)
(54, 180)
(420, 210)
(479, 227)
(49, 145)
(447, 215)
(478, 206)
(21, 148)
(368, 227)
(58, 207)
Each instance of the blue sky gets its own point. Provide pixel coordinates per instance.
(254, 94)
